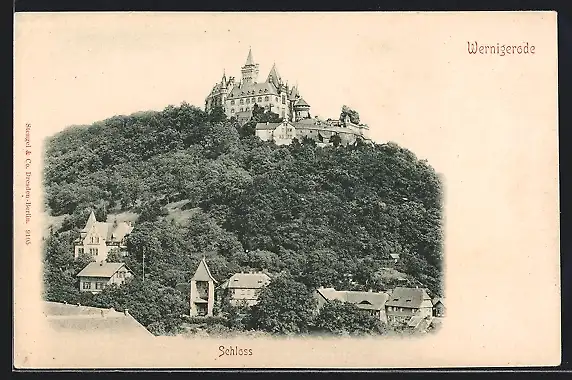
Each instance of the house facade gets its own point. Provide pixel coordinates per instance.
(202, 292)
(404, 303)
(97, 276)
(244, 288)
(372, 303)
(98, 239)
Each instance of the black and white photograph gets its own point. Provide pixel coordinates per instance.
(230, 181)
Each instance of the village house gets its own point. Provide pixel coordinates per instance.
(372, 303)
(404, 303)
(98, 322)
(98, 239)
(244, 288)
(439, 307)
(202, 292)
(98, 275)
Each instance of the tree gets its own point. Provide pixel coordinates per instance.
(337, 317)
(217, 115)
(284, 306)
(336, 140)
(149, 302)
(347, 111)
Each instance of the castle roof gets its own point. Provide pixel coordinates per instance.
(253, 89)
(408, 297)
(301, 103)
(203, 273)
(249, 59)
(274, 77)
(102, 269)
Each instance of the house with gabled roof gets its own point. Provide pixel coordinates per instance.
(244, 288)
(97, 239)
(404, 303)
(96, 276)
(439, 307)
(372, 303)
(202, 292)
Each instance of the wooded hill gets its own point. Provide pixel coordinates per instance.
(327, 215)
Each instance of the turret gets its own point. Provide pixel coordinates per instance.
(301, 109)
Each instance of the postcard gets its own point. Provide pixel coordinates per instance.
(286, 190)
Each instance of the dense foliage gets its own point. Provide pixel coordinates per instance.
(327, 215)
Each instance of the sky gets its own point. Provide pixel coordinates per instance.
(79, 68)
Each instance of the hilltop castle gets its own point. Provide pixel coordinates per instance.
(237, 98)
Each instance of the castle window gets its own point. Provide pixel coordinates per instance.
(80, 251)
(241, 109)
(241, 101)
(232, 110)
(266, 98)
(232, 102)
(247, 100)
(260, 98)
(277, 99)
(283, 99)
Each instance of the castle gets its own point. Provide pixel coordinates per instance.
(237, 99)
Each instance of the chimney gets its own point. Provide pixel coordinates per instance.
(126, 311)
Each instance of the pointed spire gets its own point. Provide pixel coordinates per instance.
(249, 59)
(203, 273)
(90, 221)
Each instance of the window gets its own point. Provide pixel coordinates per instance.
(120, 274)
(87, 285)
(232, 110)
(241, 101)
(277, 99)
(283, 99)
(93, 251)
(260, 98)
(247, 100)
(232, 102)
(266, 98)
(80, 251)
(99, 285)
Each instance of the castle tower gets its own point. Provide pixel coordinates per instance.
(249, 70)
(223, 89)
(301, 109)
(202, 291)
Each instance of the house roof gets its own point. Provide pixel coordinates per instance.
(363, 300)
(408, 297)
(91, 220)
(267, 126)
(101, 269)
(248, 280)
(439, 299)
(110, 231)
(203, 273)
(84, 320)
